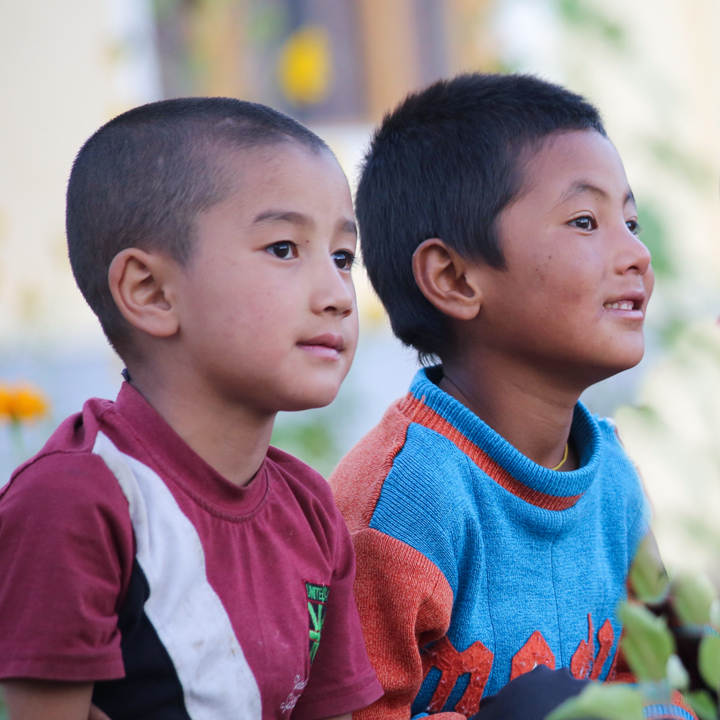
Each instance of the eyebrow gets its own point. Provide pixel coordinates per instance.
(349, 226)
(289, 216)
(585, 187)
(296, 218)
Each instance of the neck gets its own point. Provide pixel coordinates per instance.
(229, 437)
(532, 410)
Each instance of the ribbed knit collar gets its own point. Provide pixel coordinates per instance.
(428, 405)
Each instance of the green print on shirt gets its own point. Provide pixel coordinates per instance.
(317, 596)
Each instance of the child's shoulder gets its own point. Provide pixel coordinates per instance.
(621, 483)
(608, 428)
(400, 457)
(299, 476)
(65, 489)
(300, 489)
(65, 469)
(612, 450)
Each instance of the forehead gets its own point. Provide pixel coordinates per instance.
(287, 175)
(573, 160)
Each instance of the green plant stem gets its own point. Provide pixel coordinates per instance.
(18, 440)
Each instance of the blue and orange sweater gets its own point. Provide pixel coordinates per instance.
(475, 564)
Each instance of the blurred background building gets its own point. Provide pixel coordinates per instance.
(652, 66)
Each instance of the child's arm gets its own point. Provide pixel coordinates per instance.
(404, 603)
(42, 699)
(65, 550)
(403, 598)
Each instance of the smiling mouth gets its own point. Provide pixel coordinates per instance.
(629, 307)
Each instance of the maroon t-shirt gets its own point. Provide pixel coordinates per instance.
(126, 560)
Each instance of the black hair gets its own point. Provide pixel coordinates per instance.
(444, 164)
(142, 178)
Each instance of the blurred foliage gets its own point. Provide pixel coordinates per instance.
(670, 641)
(694, 597)
(674, 436)
(647, 644)
(648, 576)
(693, 170)
(604, 702)
(310, 438)
(164, 8)
(587, 16)
(653, 235)
(269, 23)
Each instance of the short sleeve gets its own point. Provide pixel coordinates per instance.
(341, 677)
(66, 549)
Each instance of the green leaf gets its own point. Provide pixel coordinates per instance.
(693, 596)
(709, 660)
(702, 703)
(605, 702)
(647, 574)
(676, 673)
(715, 614)
(647, 642)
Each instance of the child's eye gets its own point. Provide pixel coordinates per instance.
(634, 227)
(344, 259)
(283, 250)
(585, 222)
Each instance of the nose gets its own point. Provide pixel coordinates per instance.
(634, 255)
(333, 291)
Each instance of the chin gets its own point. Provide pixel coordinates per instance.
(632, 356)
(624, 362)
(312, 398)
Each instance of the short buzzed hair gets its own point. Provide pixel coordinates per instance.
(444, 164)
(141, 180)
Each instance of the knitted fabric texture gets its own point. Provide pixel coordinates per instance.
(476, 564)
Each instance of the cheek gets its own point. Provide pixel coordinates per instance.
(574, 277)
(559, 292)
(649, 282)
(232, 306)
(351, 332)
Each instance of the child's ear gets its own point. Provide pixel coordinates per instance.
(446, 280)
(140, 285)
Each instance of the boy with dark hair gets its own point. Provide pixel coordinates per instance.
(494, 518)
(158, 558)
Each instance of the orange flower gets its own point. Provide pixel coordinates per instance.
(5, 401)
(21, 403)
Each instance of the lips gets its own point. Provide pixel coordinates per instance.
(328, 345)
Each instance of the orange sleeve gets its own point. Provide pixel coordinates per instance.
(404, 602)
(403, 599)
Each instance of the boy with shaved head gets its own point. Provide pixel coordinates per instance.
(159, 559)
